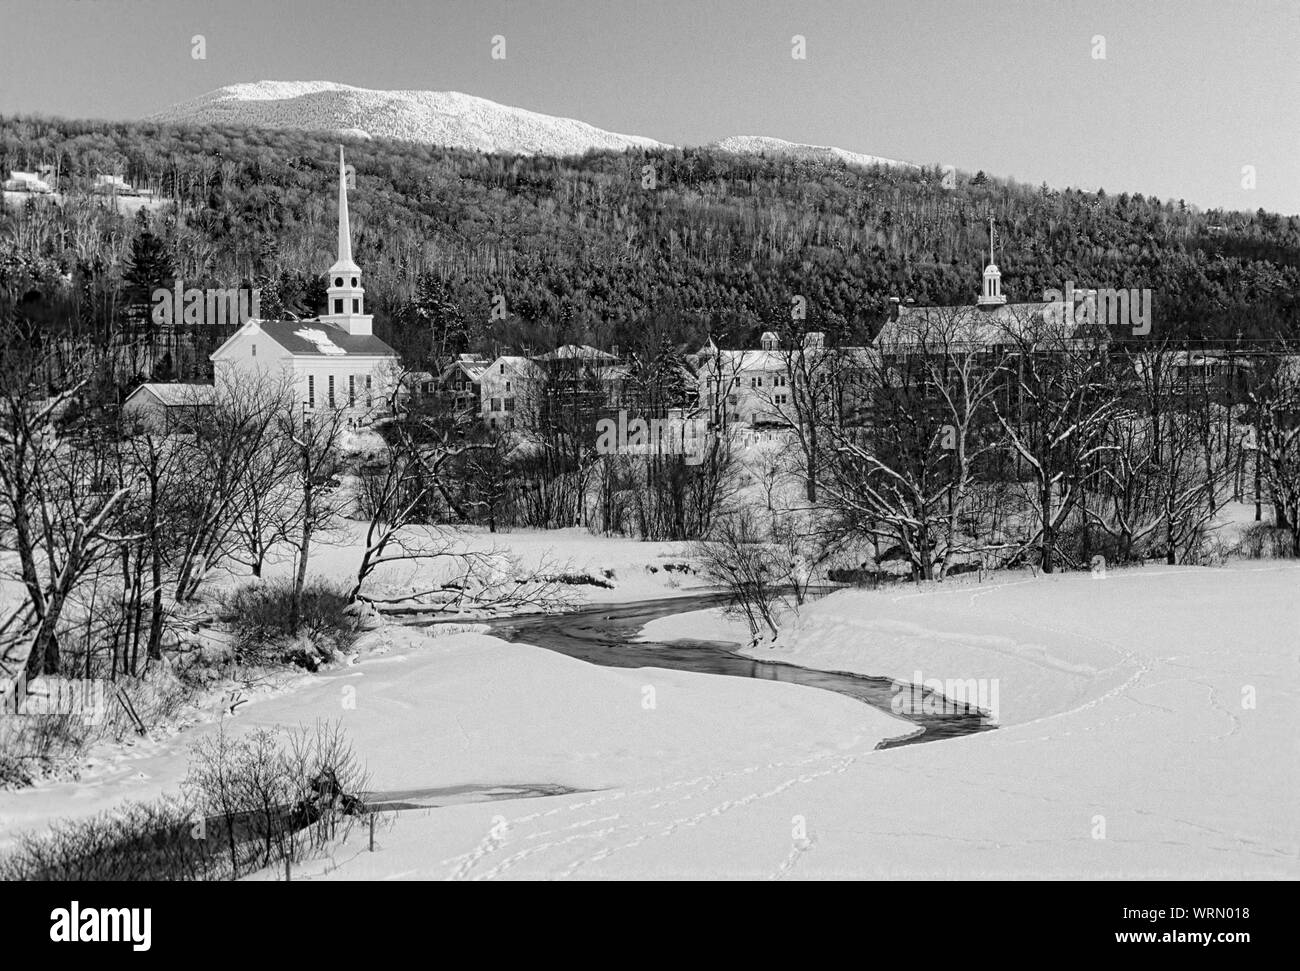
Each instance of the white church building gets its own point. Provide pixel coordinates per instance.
(332, 361)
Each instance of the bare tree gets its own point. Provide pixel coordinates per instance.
(1274, 401)
(244, 420)
(906, 474)
(1056, 419)
(57, 508)
(314, 433)
(396, 492)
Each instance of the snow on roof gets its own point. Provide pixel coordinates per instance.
(569, 351)
(297, 337)
(173, 395)
(321, 339)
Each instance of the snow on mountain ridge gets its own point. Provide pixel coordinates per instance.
(766, 145)
(448, 118)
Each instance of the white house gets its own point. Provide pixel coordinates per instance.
(332, 361)
(500, 385)
(754, 385)
(26, 182)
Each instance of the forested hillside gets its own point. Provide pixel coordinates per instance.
(586, 249)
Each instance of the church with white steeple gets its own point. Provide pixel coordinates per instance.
(335, 360)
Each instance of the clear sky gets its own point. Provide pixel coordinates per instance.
(1189, 92)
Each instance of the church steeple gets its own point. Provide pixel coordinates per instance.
(347, 298)
(991, 294)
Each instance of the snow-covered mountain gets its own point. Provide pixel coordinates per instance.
(442, 118)
(435, 117)
(764, 145)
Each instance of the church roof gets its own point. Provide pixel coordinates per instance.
(316, 338)
(978, 326)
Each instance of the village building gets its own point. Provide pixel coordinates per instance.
(573, 376)
(461, 383)
(165, 408)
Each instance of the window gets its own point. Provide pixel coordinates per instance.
(510, 404)
(354, 281)
(352, 390)
(331, 391)
(507, 385)
(338, 305)
(311, 391)
(253, 351)
(778, 382)
(494, 404)
(338, 281)
(356, 305)
(367, 391)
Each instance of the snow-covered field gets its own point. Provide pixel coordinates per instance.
(1149, 729)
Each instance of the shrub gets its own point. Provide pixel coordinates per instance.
(258, 614)
(1265, 541)
(247, 803)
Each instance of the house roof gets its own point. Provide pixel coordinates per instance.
(983, 326)
(583, 351)
(513, 362)
(177, 395)
(316, 338)
(472, 368)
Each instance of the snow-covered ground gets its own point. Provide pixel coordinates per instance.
(432, 712)
(1149, 729)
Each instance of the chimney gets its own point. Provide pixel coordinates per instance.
(894, 306)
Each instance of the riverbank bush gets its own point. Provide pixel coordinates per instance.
(247, 803)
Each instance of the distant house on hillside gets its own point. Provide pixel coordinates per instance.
(107, 184)
(26, 182)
